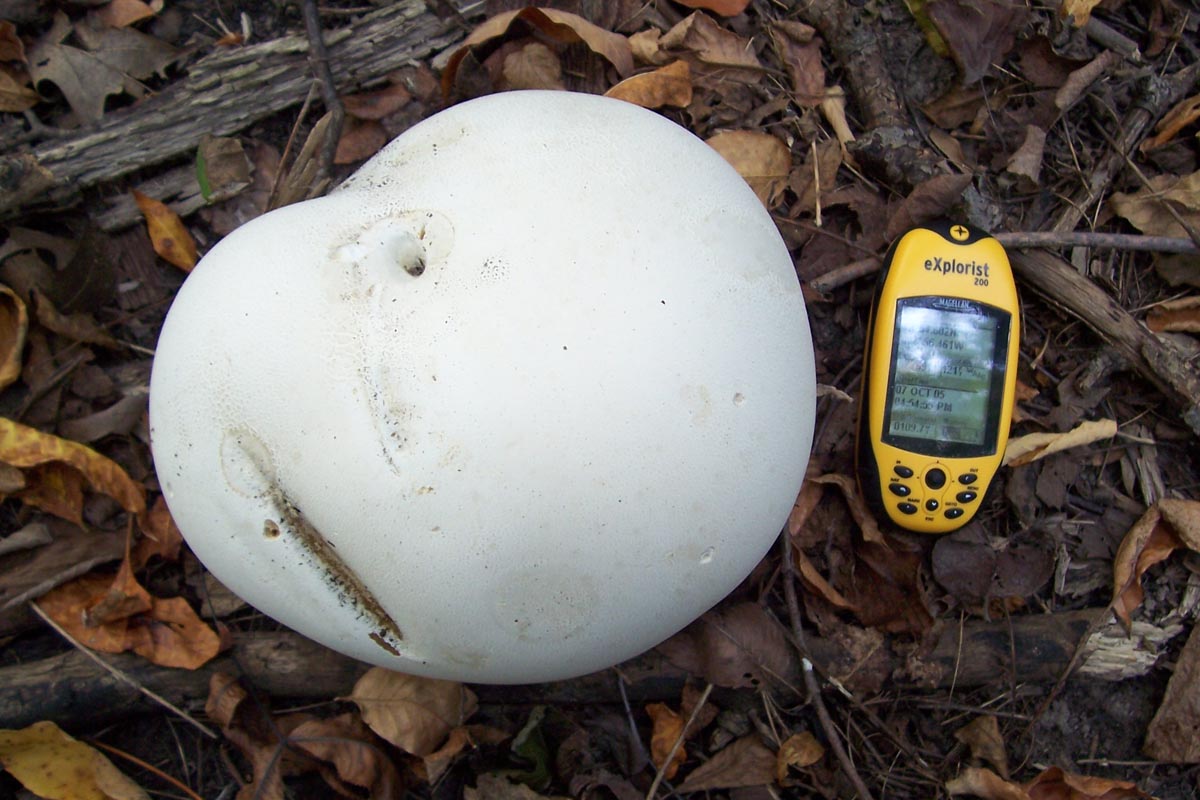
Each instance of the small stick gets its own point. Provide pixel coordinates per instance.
(318, 57)
(149, 768)
(810, 679)
(116, 673)
(1019, 240)
(662, 769)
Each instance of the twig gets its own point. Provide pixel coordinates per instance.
(810, 679)
(662, 768)
(148, 767)
(116, 673)
(318, 57)
(1018, 240)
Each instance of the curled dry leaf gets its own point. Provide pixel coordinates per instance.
(123, 13)
(982, 736)
(359, 141)
(1032, 447)
(436, 763)
(799, 49)
(734, 647)
(744, 762)
(27, 448)
(985, 784)
(1175, 315)
(355, 753)
(377, 104)
(710, 45)
(1147, 211)
(78, 327)
(1171, 734)
(799, 750)
(14, 324)
(15, 94)
(726, 8)
(160, 536)
(667, 86)
(534, 66)
(858, 507)
(51, 763)
(1167, 525)
(1054, 783)
(667, 730)
(169, 633)
(978, 33)
(1026, 162)
(559, 26)
(413, 713)
(762, 159)
(170, 238)
(1183, 114)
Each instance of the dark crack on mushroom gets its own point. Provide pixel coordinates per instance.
(338, 574)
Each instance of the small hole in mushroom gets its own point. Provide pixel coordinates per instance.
(271, 529)
(739, 398)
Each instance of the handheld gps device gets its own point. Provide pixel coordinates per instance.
(939, 376)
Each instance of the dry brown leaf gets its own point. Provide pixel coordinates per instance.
(534, 66)
(799, 750)
(124, 598)
(25, 447)
(858, 507)
(1055, 783)
(1171, 735)
(377, 104)
(56, 489)
(490, 786)
(1034, 446)
(15, 94)
(168, 634)
(249, 726)
(14, 324)
(929, 200)
(1182, 314)
(170, 238)
(667, 730)
(413, 713)
(1080, 11)
(712, 45)
(726, 8)
(646, 48)
(734, 647)
(984, 784)
(1026, 162)
(160, 536)
(73, 552)
(1184, 113)
(1147, 209)
(123, 13)
(745, 762)
(11, 46)
(814, 581)
(346, 743)
(436, 763)
(667, 86)
(982, 736)
(762, 159)
(559, 26)
(78, 327)
(833, 108)
(359, 141)
(799, 49)
(819, 166)
(979, 33)
(50, 763)
(1168, 524)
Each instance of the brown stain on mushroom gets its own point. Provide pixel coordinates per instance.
(337, 574)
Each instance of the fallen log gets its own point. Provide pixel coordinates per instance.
(73, 690)
(224, 92)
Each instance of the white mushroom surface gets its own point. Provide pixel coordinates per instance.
(525, 396)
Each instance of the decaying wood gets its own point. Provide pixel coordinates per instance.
(1156, 359)
(71, 687)
(223, 92)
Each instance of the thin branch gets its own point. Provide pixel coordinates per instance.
(318, 58)
(116, 673)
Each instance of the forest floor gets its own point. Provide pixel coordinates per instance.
(1042, 651)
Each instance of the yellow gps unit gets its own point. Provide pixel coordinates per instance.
(939, 376)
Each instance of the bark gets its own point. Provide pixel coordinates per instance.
(223, 93)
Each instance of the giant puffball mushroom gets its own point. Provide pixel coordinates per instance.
(527, 394)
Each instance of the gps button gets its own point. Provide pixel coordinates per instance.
(935, 478)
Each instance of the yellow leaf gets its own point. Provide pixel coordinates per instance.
(53, 765)
(1027, 449)
(668, 727)
(415, 714)
(170, 238)
(669, 86)
(762, 159)
(798, 750)
(25, 447)
(1078, 10)
(14, 324)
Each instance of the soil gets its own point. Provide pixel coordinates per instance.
(946, 144)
